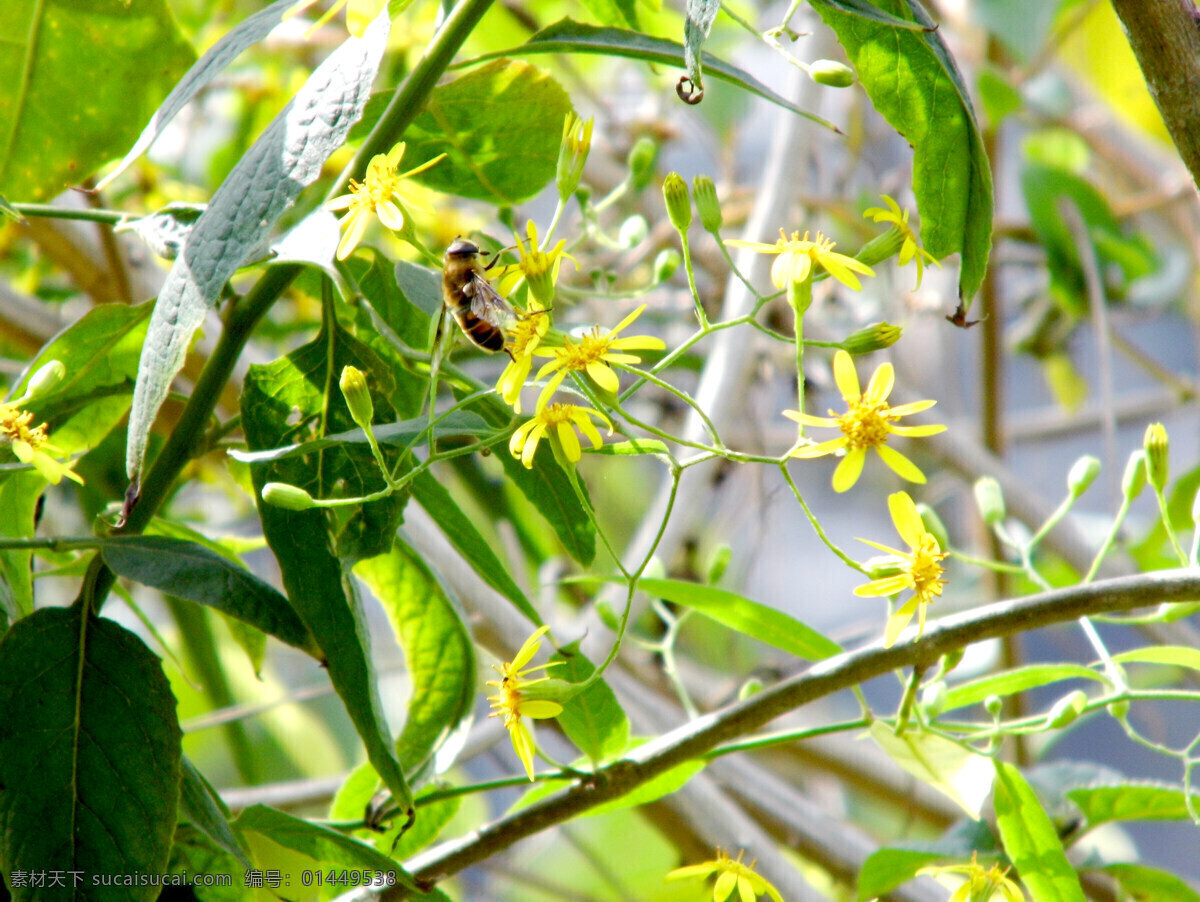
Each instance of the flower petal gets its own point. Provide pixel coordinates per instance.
(807, 419)
(603, 376)
(901, 465)
(693, 870)
(903, 410)
(522, 744)
(907, 520)
(897, 622)
(810, 451)
(724, 886)
(390, 215)
(528, 649)
(569, 441)
(918, 431)
(540, 708)
(849, 469)
(846, 377)
(881, 383)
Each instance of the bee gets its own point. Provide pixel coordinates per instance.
(480, 311)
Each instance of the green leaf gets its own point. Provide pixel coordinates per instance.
(621, 13)
(1031, 841)
(886, 869)
(319, 843)
(195, 853)
(285, 159)
(913, 82)
(593, 719)
(1131, 802)
(1020, 679)
(80, 78)
(19, 494)
(465, 538)
(422, 288)
(302, 541)
(632, 448)
(1150, 884)
(956, 772)
(500, 127)
(202, 807)
(698, 22)
(749, 617)
(197, 574)
(569, 36)
(1173, 655)
(438, 651)
(90, 752)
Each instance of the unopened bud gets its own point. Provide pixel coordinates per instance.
(831, 73)
(572, 153)
(1119, 710)
(1157, 448)
(1134, 478)
(993, 704)
(642, 157)
(358, 397)
(934, 525)
(719, 564)
(874, 337)
(679, 203)
(289, 497)
(882, 247)
(633, 231)
(1083, 473)
(752, 686)
(665, 264)
(1066, 709)
(990, 500)
(933, 698)
(707, 204)
(45, 380)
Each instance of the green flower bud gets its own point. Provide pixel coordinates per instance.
(874, 337)
(934, 525)
(993, 704)
(990, 500)
(707, 204)
(881, 247)
(719, 564)
(831, 73)
(45, 380)
(642, 157)
(1157, 447)
(607, 615)
(752, 686)
(289, 497)
(1083, 473)
(933, 698)
(633, 231)
(665, 264)
(881, 567)
(573, 153)
(1119, 710)
(679, 203)
(358, 397)
(1134, 478)
(1066, 709)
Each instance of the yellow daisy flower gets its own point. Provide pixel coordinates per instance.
(525, 333)
(732, 875)
(799, 256)
(867, 423)
(592, 354)
(981, 885)
(30, 443)
(539, 268)
(557, 419)
(919, 568)
(379, 193)
(911, 248)
(511, 704)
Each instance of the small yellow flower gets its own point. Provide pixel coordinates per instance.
(592, 354)
(981, 885)
(911, 248)
(732, 875)
(920, 568)
(559, 418)
(573, 153)
(379, 194)
(798, 256)
(867, 423)
(30, 443)
(511, 704)
(539, 268)
(525, 333)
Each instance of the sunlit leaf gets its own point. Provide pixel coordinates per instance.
(1031, 841)
(948, 767)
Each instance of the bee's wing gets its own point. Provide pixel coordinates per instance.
(486, 302)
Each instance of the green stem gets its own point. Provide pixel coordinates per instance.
(816, 524)
(50, 211)
(799, 295)
(701, 316)
(1166, 522)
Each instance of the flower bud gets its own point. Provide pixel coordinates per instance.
(573, 153)
(993, 704)
(934, 525)
(642, 157)
(933, 698)
(607, 615)
(1083, 473)
(881, 247)
(358, 397)
(874, 337)
(679, 203)
(1066, 710)
(1157, 447)
(752, 686)
(1119, 710)
(633, 231)
(707, 204)
(719, 564)
(990, 500)
(45, 380)
(289, 497)
(1134, 478)
(665, 264)
(831, 73)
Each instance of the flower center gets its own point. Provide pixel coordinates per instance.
(591, 349)
(556, 414)
(14, 425)
(925, 567)
(865, 424)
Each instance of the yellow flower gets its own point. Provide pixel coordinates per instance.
(911, 248)
(559, 418)
(798, 256)
(511, 704)
(573, 153)
(981, 885)
(867, 423)
(359, 14)
(30, 443)
(919, 568)
(539, 268)
(732, 875)
(378, 194)
(592, 354)
(526, 333)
